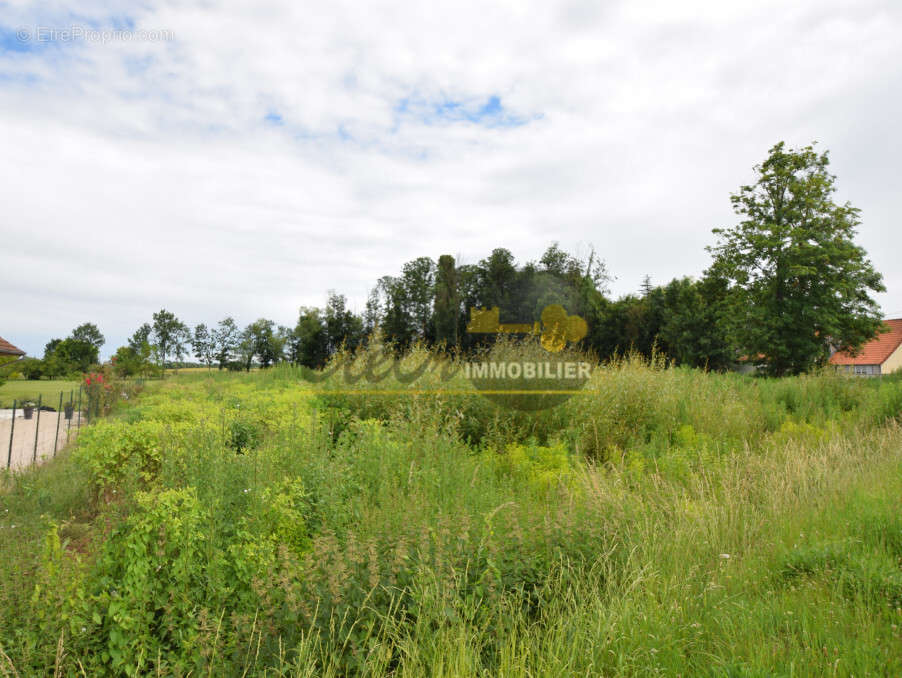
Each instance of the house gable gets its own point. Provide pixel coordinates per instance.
(876, 352)
(894, 362)
(7, 349)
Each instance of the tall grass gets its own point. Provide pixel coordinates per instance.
(662, 521)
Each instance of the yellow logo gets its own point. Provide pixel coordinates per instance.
(555, 329)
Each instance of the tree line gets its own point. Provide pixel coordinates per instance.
(787, 286)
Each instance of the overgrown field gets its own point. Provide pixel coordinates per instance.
(664, 521)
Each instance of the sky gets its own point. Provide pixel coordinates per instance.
(244, 158)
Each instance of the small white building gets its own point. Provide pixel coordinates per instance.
(880, 356)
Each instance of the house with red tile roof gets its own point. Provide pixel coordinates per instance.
(7, 349)
(882, 355)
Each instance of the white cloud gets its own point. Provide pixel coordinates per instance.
(144, 174)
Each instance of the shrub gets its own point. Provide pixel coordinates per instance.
(117, 453)
(244, 435)
(140, 611)
(541, 468)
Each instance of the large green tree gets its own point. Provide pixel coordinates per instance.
(691, 328)
(310, 341)
(170, 335)
(88, 332)
(343, 327)
(408, 302)
(141, 337)
(133, 360)
(225, 339)
(267, 344)
(77, 353)
(799, 282)
(202, 343)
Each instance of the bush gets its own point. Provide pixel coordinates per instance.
(116, 453)
(139, 613)
(244, 435)
(540, 468)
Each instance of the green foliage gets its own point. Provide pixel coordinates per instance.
(787, 285)
(118, 454)
(224, 341)
(130, 361)
(170, 336)
(446, 308)
(667, 520)
(89, 333)
(310, 341)
(344, 330)
(693, 323)
(32, 368)
(265, 343)
(799, 282)
(75, 354)
(243, 435)
(280, 521)
(139, 609)
(202, 343)
(541, 468)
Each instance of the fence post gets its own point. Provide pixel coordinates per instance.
(78, 425)
(37, 427)
(12, 427)
(59, 413)
(69, 420)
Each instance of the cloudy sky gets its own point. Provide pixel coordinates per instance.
(243, 158)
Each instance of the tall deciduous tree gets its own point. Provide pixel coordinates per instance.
(800, 283)
(246, 348)
(310, 343)
(343, 327)
(265, 341)
(170, 335)
(372, 315)
(419, 286)
(202, 343)
(89, 333)
(77, 355)
(692, 323)
(141, 337)
(225, 339)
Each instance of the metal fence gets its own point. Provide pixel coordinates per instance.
(35, 431)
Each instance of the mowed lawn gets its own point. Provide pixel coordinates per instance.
(49, 391)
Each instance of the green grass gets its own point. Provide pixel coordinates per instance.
(665, 522)
(49, 390)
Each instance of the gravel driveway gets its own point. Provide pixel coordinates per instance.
(23, 438)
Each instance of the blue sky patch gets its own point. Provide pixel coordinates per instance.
(488, 112)
(18, 78)
(18, 40)
(45, 31)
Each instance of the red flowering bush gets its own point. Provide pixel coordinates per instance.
(101, 391)
(103, 388)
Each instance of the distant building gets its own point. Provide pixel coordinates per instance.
(8, 351)
(882, 355)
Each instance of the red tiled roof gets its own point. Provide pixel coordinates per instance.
(8, 349)
(875, 352)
